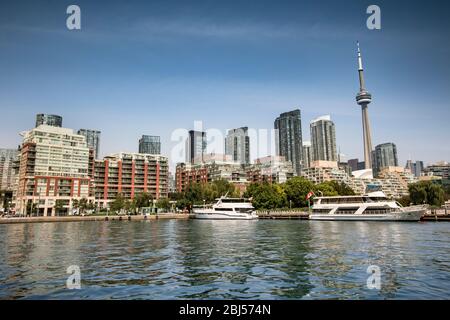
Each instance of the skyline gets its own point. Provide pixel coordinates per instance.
(242, 69)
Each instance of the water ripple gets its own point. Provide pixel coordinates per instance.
(225, 260)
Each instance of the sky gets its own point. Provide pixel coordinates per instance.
(151, 67)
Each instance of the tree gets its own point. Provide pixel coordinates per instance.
(266, 196)
(143, 200)
(405, 201)
(426, 192)
(296, 190)
(326, 189)
(83, 205)
(183, 204)
(75, 204)
(59, 206)
(342, 188)
(163, 203)
(118, 203)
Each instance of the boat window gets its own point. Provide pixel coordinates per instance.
(223, 209)
(244, 210)
(378, 210)
(346, 211)
(342, 200)
(321, 210)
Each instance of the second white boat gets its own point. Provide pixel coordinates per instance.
(228, 209)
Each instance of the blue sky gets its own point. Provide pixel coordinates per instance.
(150, 67)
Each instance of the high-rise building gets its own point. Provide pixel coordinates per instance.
(416, 168)
(353, 164)
(150, 144)
(92, 140)
(195, 146)
(289, 144)
(7, 158)
(130, 174)
(237, 145)
(385, 155)
(307, 154)
(323, 139)
(439, 169)
(54, 166)
(49, 120)
(363, 98)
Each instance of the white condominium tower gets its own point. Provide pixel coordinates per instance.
(323, 139)
(54, 165)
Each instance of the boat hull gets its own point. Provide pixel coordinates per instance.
(222, 216)
(412, 215)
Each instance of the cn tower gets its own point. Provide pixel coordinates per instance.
(363, 98)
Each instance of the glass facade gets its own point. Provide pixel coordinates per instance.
(150, 144)
(289, 138)
(49, 120)
(92, 140)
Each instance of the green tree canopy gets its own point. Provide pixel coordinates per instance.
(327, 189)
(342, 188)
(426, 192)
(142, 200)
(266, 196)
(118, 203)
(296, 190)
(163, 203)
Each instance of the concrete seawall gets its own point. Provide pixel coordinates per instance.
(94, 218)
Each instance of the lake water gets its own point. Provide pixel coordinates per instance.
(192, 259)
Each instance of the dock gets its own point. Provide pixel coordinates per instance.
(441, 214)
(302, 215)
(12, 220)
(436, 217)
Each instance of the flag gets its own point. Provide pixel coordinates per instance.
(309, 195)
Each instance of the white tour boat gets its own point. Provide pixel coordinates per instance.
(373, 206)
(228, 209)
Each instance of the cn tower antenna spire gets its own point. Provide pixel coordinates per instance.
(360, 69)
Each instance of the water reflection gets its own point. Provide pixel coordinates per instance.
(225, 260)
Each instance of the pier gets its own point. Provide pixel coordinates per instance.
(283, 214)
(12, 220)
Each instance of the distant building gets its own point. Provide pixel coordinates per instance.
(393, 181)
(272, 169)
(385, 155)
(237, 145)
(307, 156)
(416, 168)
(323, 139)
(212, 168)
(49, 120)
(289, 138)
(172, 185)
(439, 169)
(7, 158)
(195, 146)
(355, 164)
(92, 140)
(130, 174)
(150, 144)
(54, 165)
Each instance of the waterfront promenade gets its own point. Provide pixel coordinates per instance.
(95, 218)
(436, 215)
